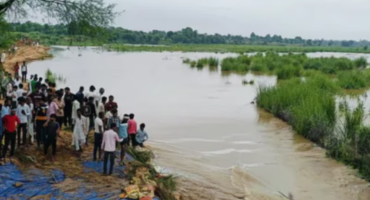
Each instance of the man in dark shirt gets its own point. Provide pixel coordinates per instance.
(90, 115)
(68, 101)
(41, 117)
(52, 132)
(80, 95)
(36, 95)
(38, 83)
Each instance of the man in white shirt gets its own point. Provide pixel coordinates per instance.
(17, 81)
(3, 57)
(110, 138)
(101, 106)
(90, 93)
(23, 112)
(98, 98)
(20, 91)
(24, 71)
(75, 106)
(98, 137)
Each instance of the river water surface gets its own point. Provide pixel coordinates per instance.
(204, 128)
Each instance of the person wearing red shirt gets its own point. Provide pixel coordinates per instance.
(10, 123)
(111, 104)
(132, 130)
(16, 69)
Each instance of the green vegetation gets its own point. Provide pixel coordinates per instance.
(165, 185)
(246, 82)
(224, 48)
(309, 106)
(352, 143)
(183, 36)
(238, 64)
(210, 62)
(53, 77)
(354, 79)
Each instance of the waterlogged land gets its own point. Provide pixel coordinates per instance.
(225, 48)
(204, 130)
(348, 74)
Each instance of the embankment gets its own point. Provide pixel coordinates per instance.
(26, 53)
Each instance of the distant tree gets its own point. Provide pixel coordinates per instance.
(365, 48)
(95, 12)
(309, 42)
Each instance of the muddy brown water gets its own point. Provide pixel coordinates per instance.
(203, 127)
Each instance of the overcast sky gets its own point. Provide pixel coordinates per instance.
(314, 19)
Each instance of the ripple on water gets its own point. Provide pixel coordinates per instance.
(182, 140)
(227, 151)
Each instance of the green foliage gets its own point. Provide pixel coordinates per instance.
(88, 15)
(361, 62)
(52, 77)
(193, 64)
(309, 106)
(212, 62)
(238, 64)
(83, 23)
(142, 156)
(288, 72)
(352, 145)
(6, 39)
(186, 61)
(354, 79)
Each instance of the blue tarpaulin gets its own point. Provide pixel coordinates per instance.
(36, 183)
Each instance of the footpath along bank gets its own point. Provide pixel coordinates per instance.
(74, 175)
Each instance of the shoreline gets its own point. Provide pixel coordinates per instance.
(26, 53)
(74, 164)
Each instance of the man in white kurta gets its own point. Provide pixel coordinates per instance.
(79, 136)
(3, 57)
(75, 107)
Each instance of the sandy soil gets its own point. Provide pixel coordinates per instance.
(26, 53)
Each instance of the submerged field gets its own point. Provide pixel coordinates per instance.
(307, 95)
(346, 73)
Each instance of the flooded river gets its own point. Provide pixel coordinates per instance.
(203, 127)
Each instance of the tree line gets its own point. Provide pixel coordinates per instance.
(184, 36)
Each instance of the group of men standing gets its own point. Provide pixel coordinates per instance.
(43, 110)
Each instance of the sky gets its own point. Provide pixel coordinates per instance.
(310, 19)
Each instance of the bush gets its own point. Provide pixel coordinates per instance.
(309, 106)
(288, 72)
(354, 79)
(234, 64)
(361, 62)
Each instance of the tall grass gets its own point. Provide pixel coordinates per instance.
(288, 72)
(238, 64)
(309, 106)
(352, 144)
(361, 62)
(354, 79)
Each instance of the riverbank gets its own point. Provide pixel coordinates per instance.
(216, 136)
(26, 53)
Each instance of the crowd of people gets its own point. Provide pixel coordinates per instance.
(42, 111)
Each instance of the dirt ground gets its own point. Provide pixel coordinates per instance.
(26, 53)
